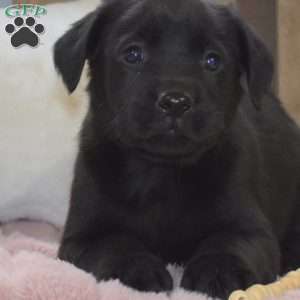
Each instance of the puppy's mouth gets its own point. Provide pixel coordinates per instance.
(171, 146)
(174, 147)
(164, 156)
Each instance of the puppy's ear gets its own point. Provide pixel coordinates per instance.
(73, 48)
(256, 62)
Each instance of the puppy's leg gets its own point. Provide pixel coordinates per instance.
(93, 240)
(230, 261)
(119, 257)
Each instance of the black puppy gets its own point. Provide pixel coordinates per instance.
(176, 164)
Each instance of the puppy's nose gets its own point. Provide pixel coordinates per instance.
(174, 103)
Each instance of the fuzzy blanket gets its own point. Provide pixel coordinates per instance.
(29, 270)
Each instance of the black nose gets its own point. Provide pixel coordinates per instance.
(174, 103)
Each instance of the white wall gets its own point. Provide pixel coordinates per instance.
(39, 123)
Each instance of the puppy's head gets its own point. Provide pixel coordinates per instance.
(166, 77)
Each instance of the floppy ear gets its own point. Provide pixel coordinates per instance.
(256, 62)
(73, 48)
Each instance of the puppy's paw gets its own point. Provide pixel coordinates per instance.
(142, 272)
(217, 276)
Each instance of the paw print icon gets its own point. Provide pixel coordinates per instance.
(24, 32)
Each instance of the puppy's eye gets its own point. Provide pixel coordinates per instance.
(134, 55)
(212, 61)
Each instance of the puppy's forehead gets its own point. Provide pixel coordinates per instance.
(177, 9)
(162, 15)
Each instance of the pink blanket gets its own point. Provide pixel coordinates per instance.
(29, 270)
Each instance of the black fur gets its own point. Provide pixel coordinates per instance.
(218, 189)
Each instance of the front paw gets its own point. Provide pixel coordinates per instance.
(142, 272)
(217, 275)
